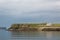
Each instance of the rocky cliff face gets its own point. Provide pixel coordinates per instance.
(24, 27)
(33, 27)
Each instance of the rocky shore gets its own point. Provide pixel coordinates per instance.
(33, 27)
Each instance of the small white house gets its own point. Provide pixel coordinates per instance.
(48, 24)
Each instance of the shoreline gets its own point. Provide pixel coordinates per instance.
(33, 27)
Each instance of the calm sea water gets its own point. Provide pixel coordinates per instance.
(8, 35)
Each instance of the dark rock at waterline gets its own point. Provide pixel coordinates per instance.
(51, 29)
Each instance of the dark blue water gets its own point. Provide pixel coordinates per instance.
(8, 35)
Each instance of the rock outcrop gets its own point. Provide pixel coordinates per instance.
(33, 27)
(24, 27)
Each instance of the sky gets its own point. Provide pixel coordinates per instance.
(29, 11)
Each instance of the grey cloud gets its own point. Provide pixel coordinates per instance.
(28, 8)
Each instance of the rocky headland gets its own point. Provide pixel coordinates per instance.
(34, 27)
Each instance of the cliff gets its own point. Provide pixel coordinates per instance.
(34, 27)
(26, 27)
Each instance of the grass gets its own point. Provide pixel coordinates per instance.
(56, 25)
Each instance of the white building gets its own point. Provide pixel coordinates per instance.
(48, 24)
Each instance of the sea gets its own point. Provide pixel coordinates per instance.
(32, 35)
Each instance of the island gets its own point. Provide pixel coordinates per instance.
(35, 27)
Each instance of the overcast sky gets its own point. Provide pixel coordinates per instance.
(23, 11)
